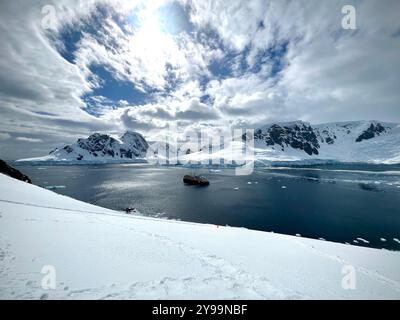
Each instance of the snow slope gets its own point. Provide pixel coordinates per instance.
(98, 253)
(355, 141)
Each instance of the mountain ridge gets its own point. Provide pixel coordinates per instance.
(297, 141)
(102, 147)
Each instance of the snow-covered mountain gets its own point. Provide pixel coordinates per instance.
(295, 142)
(99, 148)
(299, 142)
(356, 141)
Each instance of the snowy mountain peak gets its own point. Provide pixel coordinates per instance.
(134, 138)
(97, 142)
(100, 147)
(354, 141)
(288, 142)
(134, 145)
(290, 124)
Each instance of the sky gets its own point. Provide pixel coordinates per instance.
(69, 68)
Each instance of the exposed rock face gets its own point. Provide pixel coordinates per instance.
(297, 135)
(371, 132)
(13, 173)
(98, 143)
(327, 136)
(291, 141)
(68, 149)
(314, 140)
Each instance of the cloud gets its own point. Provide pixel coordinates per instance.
(196, 110)
(329, 73)
(33, 140)
(147, 57)
(239, 63)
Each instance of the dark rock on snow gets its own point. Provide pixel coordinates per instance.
(371, 132)
(13, 173)
(298, 136)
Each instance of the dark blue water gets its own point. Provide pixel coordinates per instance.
(337, 203)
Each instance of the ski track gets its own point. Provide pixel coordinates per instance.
(50, 207)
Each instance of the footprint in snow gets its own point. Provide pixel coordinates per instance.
(29, 283)
(44, 296)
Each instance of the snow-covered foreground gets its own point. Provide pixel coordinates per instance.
(97, 253)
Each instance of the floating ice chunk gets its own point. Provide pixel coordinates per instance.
(298, 235)
(363, 240)
(396, 240)
(249, 182)
(284, 187)
(55, 187)
(383, 239)
(322, 239)
(236, 188)
(215, 170)
(355, 241)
